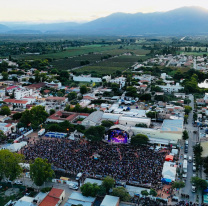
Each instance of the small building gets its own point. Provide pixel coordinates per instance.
(77, 198)
(110, 201)
(54, 198)
(93, 119)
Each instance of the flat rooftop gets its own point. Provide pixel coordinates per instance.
(175, 125)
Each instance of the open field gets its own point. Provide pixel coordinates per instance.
(194, 53)
(72, 62)
(110, 66)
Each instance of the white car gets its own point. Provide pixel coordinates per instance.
(194, 169)
(18, 182)
(193, 189)
(73, 186)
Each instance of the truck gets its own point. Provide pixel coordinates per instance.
(41, 132)
(79, 175)
(185, 166)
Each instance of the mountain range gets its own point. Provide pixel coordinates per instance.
(181, 21)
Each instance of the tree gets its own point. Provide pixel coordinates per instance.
(178, 184)
(185, 135)
(195, 116)
(118, 73)
(186, 118)
(153, 192)
(108, 183)
(144, 192)
(52, 111)
(60, 94)
(145, 97)
(31, 80)
(187, 109)
(141, 125)
(64, 74)
(54, 71)
(35, 116)
(2, 135)
(83, 89)
(16, 116)
(89, 189)
(5, 75)
(9, 164)
(131, 91)
(139, 139)
(5, 110)
(72, 95)
(15, 79)
(107, 123)
(40, 171)
(201, 184)
(95, 133)
(151, 114)
(122, 193)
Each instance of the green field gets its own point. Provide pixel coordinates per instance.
(194, 53)
(72, 62)
(110, 66)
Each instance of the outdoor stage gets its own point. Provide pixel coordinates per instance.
(118, 136)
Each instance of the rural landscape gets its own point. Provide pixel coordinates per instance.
(105, 106)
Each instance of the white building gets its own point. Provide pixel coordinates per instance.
(107, 78)
(86, 78)
(170, 88)
(22, 92)
(119, 80)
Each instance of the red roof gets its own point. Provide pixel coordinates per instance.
(56, 98)
(49, 201)
(12, 87)
(84, 114)
(143, 85)
(55, 192)
(46, 91)
(88, 97)
(52, 198)
(70, 116)
(8, 125)
(15, 101)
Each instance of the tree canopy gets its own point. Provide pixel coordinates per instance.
(201, 184)
(9, 164)
(185, 135)
(5, 110)
(122, 193)
(139, 139)
(108, 183)
(107, 123)
(89, 189)
(35, 116)
(83, 89)
(95, 133)
(178, 184)
(40, 171)
(72, 95)
(151, 114)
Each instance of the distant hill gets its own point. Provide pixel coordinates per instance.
(182, 21)
(24, 31)
(185, 20)
(3, 28)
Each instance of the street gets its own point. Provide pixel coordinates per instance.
(192, 141)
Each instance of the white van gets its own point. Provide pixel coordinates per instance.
(186, 142)
(79, 175)
(185, 157)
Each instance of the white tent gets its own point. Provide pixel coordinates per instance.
(169, 172)
(16, 146)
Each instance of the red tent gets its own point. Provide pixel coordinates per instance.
(169, 158)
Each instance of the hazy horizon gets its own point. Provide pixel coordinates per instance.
(81, 11)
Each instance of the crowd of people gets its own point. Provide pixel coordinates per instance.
(123, 162)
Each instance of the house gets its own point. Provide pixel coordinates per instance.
(93, 119)
(22, 92)
(170, 88)
(36, 86)
(59, 100)
(8, 128)
(110, 201)
(61, 116)
(119, 80)
(86, 78)
(54, 198)
(17, 103)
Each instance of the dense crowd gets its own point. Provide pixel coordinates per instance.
(122, 162)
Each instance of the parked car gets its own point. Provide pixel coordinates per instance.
(18, 182)
(190, 159)
(193, 189)
(73, 186)
(185, 157)
(194, 169)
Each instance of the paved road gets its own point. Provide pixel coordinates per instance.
(192, 142)
(169, 62)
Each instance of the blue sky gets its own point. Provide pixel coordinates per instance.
(41, 11)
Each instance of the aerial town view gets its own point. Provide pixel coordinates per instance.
(104, 104)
